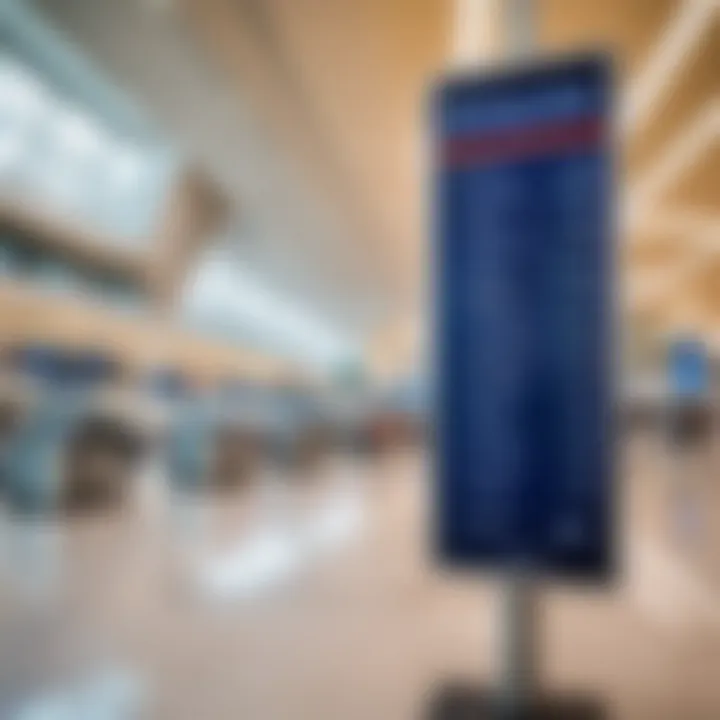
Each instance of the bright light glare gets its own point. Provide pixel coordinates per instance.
(275, 556)
(78, 134)
(127, 166)
(222, 290)
(269, 560)
(11, 149)
(22, 103)
(20, 94)
(56, 151)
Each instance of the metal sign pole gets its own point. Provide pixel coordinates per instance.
(518, 621)
(518, 682)
(519, 23)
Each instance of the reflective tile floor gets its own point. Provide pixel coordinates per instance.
(313, 598)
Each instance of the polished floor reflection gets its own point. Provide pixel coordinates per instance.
(313, 597)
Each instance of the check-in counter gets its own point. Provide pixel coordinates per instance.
(211, 447)
(15, 402)
(314, 442)
(236, 454)
(74, 448)
(35, 457)
(102, 457)
(11, 413)
(691, 422)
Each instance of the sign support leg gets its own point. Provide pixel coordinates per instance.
(518, 684)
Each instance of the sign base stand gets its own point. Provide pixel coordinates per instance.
(458, 702)
(517, 696)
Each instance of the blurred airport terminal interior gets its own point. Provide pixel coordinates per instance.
(216, 416)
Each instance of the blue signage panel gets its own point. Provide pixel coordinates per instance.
(689, 369)
(523, 270)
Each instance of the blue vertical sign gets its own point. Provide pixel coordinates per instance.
(523, 272)
(689, 369)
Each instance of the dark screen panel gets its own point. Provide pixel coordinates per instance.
(523, 268)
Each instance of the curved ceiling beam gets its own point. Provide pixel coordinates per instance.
(674, 50)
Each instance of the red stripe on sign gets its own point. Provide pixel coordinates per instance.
(517, 144)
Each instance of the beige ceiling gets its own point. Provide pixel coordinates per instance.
(349, 82)
(364, 67)
(335, 88)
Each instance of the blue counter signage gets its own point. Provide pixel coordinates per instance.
(523, 314)
(689, 369)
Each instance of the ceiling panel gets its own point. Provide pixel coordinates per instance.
(651, 251)
(363, 68)
(699, 188)
(698, 82)
(628, 28)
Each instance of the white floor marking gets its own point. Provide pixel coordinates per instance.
(288, 544)
(261, 564)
